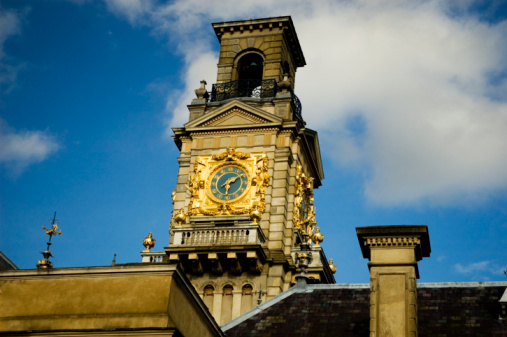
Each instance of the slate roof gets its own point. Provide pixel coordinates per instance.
(444, 310)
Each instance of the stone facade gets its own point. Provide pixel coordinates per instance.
(137, 300)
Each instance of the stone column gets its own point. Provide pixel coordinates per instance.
(393, 252)
(236, 302)
(217, 305)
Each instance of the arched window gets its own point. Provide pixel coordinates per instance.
(209, 290)
(208, 293)
(228, 290)
(250, 71)
(247, 300)
(226, 315)
(247, 289)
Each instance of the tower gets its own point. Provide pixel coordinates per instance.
(243, 215)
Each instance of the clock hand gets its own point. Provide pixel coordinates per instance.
(230, 181)
(227, 182)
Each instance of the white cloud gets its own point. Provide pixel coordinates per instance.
(472, 267)
(19, 149)
(481, 269)
(9, 25)
(427, 86)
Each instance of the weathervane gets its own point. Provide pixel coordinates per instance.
(45, 263)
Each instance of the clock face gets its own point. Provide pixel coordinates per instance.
(228, 183)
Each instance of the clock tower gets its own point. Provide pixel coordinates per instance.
(243, 224)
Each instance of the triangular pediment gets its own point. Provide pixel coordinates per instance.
(234, 114)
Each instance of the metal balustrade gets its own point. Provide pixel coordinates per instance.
(251, 88)
(243, 88)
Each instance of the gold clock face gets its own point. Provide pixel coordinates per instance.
(228, 183)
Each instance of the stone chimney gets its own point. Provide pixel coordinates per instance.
(393, 252)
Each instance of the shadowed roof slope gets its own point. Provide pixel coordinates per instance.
(445, 310)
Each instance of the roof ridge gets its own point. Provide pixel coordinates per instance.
(462, 284)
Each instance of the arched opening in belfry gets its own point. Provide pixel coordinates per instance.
(250, 71)
(250, 67)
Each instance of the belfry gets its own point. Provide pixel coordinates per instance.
(243, 224)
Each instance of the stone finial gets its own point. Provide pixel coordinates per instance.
(201, 93)
(286, 84)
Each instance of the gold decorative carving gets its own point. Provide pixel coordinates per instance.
(53, 230)
(304, 211)
(230, 154)
(249, 170)
(173, 196)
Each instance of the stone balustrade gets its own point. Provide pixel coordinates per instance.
(153, 257)
(237, 235)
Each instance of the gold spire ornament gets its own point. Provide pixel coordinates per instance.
(148, 242)
(332, 266)
(181, 217)
(53, 230)
(255, 214)
(317, 237)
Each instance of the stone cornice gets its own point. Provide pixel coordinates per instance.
(232, 131)
(416, 236)
(283, 22)
(392, 241)
(235, 111)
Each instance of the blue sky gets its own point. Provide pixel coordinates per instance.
(409, 99)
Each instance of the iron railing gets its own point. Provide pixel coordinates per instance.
(243, 88)
(297, 106)
(251, 88)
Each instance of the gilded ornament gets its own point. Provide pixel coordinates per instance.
(229, 183)
(53, 230)
(148, 242)
(255, 214)
(173, 196)
(317, 237)
(304, 211)
(332, 266)
(180, 217)
(230, 154)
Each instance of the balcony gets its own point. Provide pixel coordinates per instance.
(218, 236)
(251, 88)
(244, 88)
